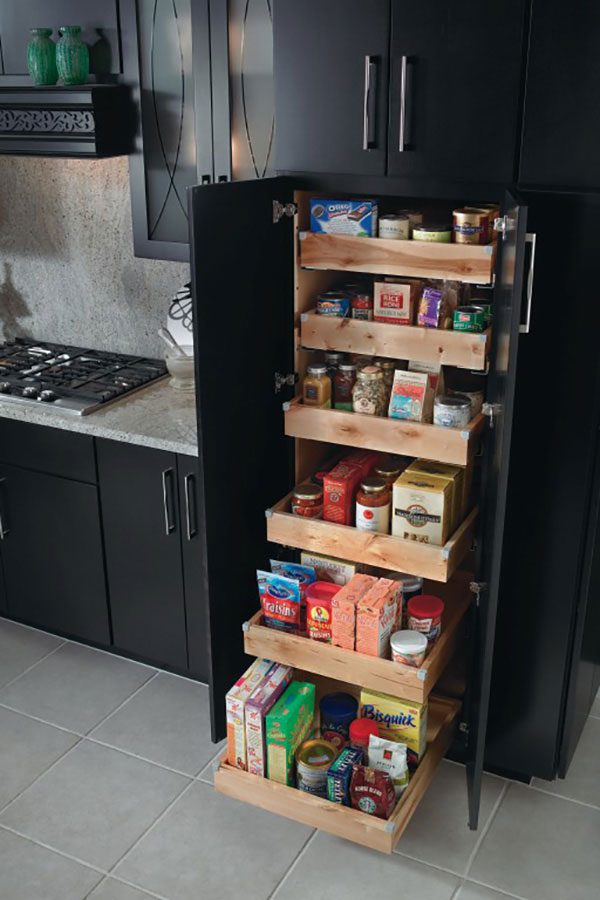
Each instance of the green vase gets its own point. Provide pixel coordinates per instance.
(41, 57)
(72, 56)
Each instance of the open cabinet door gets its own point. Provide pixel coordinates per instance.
(508, 295)
(242, 283)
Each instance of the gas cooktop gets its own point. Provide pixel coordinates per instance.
(73, 379)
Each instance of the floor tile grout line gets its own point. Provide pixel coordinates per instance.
(145, 891)
(144, 759)
(563, 797)
(123, 703)
(485, 830)
(62, 853)
(457, 890)
(493, 887)
(209, 765)
(40, 720)
(424, 862)
(34, 665)
(293, 864)
(49, 768)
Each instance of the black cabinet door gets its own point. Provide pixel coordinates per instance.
(455, 72)
(193, 540)
(561, 124)
(52, 553)
(331, 85)
(140, 514)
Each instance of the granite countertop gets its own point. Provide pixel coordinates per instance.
(156, 416)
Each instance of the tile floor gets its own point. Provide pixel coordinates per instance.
(106, 793)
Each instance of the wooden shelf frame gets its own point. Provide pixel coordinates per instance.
(469, 263)
(466, 349)
(382, 550)
(343, 821)
(397, 436)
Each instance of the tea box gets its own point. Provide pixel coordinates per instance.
(339, 775)
(422, 509)
(261, 701)
(288, 724)
(398, 720)
(235, 705)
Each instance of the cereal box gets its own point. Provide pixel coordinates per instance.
(412, 396)
(355, 217)
(375, 617)
(337, 571)
(288, 724)
(398, 720)
(280, 601)
(343, 610)
(261, 701)
(394, 301)
(421, 508)
(235, 703)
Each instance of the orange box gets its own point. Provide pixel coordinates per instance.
(339, 493)
(375, 618)
(343, 610)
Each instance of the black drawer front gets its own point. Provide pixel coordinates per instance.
(49, 450)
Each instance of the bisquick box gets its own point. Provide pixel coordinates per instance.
(343, 610)
(235, 704)
(339, 775)
(354, 217)
(399, 720)
(375, 618)
(260, 703)
(421, 508)
(288, 724)
(336, 571)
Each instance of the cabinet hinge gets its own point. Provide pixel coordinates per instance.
(283, 209)
(463, 727)
(285, 380)
(477, 588)
(490, 410)
(503, 225)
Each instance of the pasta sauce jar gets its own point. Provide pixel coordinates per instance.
(373, 506)
(425, 615)
(307, 501)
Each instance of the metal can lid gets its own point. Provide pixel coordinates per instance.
(456, 401)
(384, 469)
(373, 485)
(347, 367)
(471, 309)
(394, 217)
(308, 492)
(370, 373)
(445, 226)
(316, 754)
(317, 370)
(333, 295)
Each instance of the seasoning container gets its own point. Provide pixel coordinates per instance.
(425, 615)
(469, 318)
(408, 648)
(470, 226)
(333, 303)
(319, 595)
(389, 469)
(343, 383)
(395, 227)
(337, 711)
(307, 501)
(360, 732)
(476, 398)
(317, 387)
(388, 367)
(332, 360)
(362, 306)
(452, 411)
(373, 505)
(369, 393)
(438, 233)
(313, 759)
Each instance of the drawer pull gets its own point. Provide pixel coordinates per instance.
(190, 508)
(168, 501)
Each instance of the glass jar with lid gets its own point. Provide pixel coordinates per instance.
(390, 468)
(388, 367)
(369, 392)
(373, 506)
(317, 387)
(343, 383)
(307, 501)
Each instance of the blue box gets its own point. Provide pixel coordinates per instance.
(339, 775)
(354, 217)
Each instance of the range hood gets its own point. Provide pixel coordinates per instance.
(90, 120)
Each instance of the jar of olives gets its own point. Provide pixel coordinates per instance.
(369, 393)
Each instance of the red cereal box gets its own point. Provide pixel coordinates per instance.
(339, 492)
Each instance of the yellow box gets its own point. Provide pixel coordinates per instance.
(399, 720)
(446, 471)
(422, 508)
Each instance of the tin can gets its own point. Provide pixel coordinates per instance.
(469, 318)
(415, 217)
(439, 234)
(313, 759)
(395, 227)
(470, 226)
(476, 398)
(492, 210)
(452, 411)
(333, 303)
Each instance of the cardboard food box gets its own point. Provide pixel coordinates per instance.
(412, 396)
(365, 460)
(399, 720)
(422, 508)
(435, 372)
(445, 471)
(355, 217)
(339, 491)
(288, 724)
(336, 571)
(394, 302)
(235, 705)
(260, 702)
(375, 617)
(343, 610)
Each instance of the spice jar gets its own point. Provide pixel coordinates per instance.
(389, 469)
(361, 360)
(388, 367)
(369, 392)
(373, 506)
(343, 383)
(317, 387)
(425, 615)
(452, 411)
(360, 732)
(307, 501)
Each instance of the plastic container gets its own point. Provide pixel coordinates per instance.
(338, 711)
(425, 615)
(408, 647)
(360, 732)
(319, 595)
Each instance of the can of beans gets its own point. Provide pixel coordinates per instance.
(469, 318)
(313, 759)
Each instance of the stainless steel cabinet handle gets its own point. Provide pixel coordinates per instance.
(403, 91)
(3, 529)
(192, 530)
(530, 238)
(366, 100)
(167, 485)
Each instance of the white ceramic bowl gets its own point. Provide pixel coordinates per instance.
(181, 369)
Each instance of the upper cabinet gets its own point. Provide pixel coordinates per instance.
(562, 113)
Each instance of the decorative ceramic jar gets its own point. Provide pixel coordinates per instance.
(72, 56)
(41, 57)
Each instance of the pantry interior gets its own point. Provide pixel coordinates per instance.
(288, 266)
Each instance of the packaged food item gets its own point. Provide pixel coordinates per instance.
(280, 601)
(313, 759)
(337, 711)
(482, 295)
(408, 648)
(437, 233)
(307, 501)
(288, 724)
(470, 226)
(394, 301)
(339, 775)
(475, 399)
(434, 370)
(422, 509)
(373, 505)
(412, 396)
(304, 575)
(469, 318)
(390, 467)
(355, 217)
(372, 792)
(260, 702)
(360, 732)
(333, 303)
(415, 217)
(235, 705)
(389, 757)
(344, 382)
(433, 309)
(343, 609)
(446, 472)
(364, 460)
(369, 392)
(395, 227)
(411, 586)
(452, 411)
(361, 360)
(485, 210)
(316, 388)
(398, 720)
(337, 571)
(425, 616)
(318, 610)
(362, 306)
(375, 617)
(339, 489)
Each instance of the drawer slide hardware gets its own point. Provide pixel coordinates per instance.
(490, 410)
(477, 588)
(285, 380)
(503, 225)
(283, 209)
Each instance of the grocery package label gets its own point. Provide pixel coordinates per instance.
(392, 303)
(280, 601)
(353, 217)
(398, 720)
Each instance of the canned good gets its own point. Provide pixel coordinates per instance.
(333, 303)
(362, 306)
(492, 210)
(337, 711)
(395, 227)
(452, 411)
(307, 501)
(408, 648)
(313, 759)
(470, 226)
(440, 234)
(425, 615)
(469, 318)
(476, 398)
(415, 217)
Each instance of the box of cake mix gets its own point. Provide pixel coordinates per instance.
(235, 707)
(399, 720)
(288, 724)
(259, 704)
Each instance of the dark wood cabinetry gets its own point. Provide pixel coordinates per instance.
(192, 530)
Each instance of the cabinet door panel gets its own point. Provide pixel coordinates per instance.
(140, 514)
(330, 105)
(458, 90)
(193, 539)
(52, 553)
